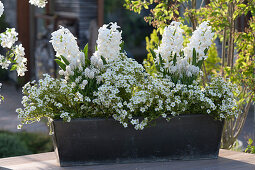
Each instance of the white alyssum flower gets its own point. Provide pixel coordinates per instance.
(37, 96)
(65, 116)
(120, 79)
(38, 3)
(164, 115)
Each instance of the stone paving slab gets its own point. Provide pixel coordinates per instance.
(228, 160)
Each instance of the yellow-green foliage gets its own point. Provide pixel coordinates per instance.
(251, 147)
(212, 63)
(151, 43)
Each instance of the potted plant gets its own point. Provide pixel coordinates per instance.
(108, 109)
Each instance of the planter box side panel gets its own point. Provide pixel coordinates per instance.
(95, 141)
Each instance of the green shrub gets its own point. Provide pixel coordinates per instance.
(11, 145)
(251, 147)
(23, 143)
(36, 142)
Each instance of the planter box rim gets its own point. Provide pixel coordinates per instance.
(110, 118)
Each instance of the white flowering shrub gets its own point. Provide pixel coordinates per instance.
(38, 3)
(14, 52)
(108, 84)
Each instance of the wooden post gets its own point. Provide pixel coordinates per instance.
(23, 22)
(100, 12)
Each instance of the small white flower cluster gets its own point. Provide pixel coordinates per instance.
(4, 63)
(8, 40)
(38, 3)
(200, 41)
(65, 116)
(223, 91)
(108, 43)
(20, 60)
(1, 8)
(167, 99)
(39, 100)
(121, 79)
(178, 61)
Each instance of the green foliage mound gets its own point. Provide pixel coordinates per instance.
(251, 147)
(36, 142)
(11, 145)
(23, 143)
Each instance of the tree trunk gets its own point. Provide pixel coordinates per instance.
(223, 50)
(193, 17)
(233, 127)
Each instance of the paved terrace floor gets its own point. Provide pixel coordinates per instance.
(228, 160)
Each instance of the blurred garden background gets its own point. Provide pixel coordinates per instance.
(83, 18)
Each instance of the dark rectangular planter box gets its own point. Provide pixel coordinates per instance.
(100, 141)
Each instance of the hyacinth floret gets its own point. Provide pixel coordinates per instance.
(200, 41)
(172, 41)
(109, 42)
